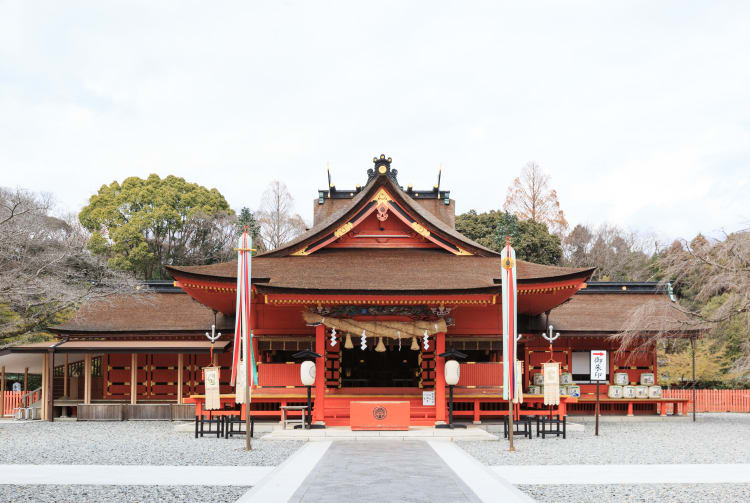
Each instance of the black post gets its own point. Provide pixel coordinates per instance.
(692, 343)
(450, 405)
(308, 415)
(597, 409)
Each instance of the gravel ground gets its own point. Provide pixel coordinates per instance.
(713, 438)
(140, 494)
(130, 443)
(662, 493)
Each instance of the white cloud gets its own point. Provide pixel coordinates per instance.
(638, 110)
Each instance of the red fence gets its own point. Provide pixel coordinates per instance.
(480, 374)
(12, 400)
(713, 400)
(279, 374)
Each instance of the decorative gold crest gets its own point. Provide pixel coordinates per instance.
(508, 263)
(382, 197)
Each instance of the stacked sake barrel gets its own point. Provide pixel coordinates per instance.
(567, 386)
(623, 389)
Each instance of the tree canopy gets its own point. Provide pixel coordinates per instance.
(531, 240)
(530, 197)
(141, 225)
(277, 222)
(46, 272)
(617, 255)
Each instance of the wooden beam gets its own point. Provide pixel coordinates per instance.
(25, 380)
(180, 376)
(133, 378)
(87, 378)
(65, 377)
(45, 387)
(49, 404)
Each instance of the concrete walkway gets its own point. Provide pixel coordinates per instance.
(136, 475)
(389, 470)
(625, 474)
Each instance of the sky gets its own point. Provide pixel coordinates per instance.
(638, 110)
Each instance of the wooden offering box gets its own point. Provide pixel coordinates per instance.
(379, 415)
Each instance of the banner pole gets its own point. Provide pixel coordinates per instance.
(249, 381)
(510, 425)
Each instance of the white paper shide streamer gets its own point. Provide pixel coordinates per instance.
(333, 337)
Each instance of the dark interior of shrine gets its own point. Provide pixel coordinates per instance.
(371, 369)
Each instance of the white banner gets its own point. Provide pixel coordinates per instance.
(213, 396)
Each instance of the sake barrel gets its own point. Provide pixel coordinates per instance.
(574, 390)
(628, 391)
(566, 378)
(563, 390)
(615, 391)
(621, 378)
(534, 390)
(537, 379)
(641, 391)
(654, 391)
(647, 379)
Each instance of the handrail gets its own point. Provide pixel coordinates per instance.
(32, 392)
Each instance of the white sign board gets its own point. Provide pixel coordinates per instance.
(598, 365)
(428, 398)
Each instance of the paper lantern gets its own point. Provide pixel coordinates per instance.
(307, 373)
(452, 372)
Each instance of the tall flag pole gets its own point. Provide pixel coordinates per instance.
(510, 316)
(244, 371)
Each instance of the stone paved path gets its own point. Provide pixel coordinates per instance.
(393, 471)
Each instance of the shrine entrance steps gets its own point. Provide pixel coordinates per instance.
(413, 433)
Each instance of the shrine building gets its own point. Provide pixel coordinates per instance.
(380, 286)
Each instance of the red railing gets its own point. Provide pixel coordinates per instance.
(713, 400)
(11, 400)
(481, 374)
(279, 374)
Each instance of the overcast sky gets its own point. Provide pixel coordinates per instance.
(639, 111)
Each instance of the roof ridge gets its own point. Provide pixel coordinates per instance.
(381, 180)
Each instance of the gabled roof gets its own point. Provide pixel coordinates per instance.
(399, 203)
(143, 312)
(381, 270)
(612, 312)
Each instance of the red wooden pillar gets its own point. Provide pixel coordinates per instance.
(439, 378)
(320, 373)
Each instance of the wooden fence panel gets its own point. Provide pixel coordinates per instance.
(713, 400)
(12, 400)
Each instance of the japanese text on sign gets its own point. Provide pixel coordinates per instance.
(598, 365)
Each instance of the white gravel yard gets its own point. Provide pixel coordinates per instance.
(130, 443)
(124, 494)
(640, 493)
(713, 438)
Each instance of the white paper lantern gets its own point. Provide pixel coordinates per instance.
(307, 373)
(452, 372)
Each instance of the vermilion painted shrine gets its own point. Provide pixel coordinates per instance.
(380, 258)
